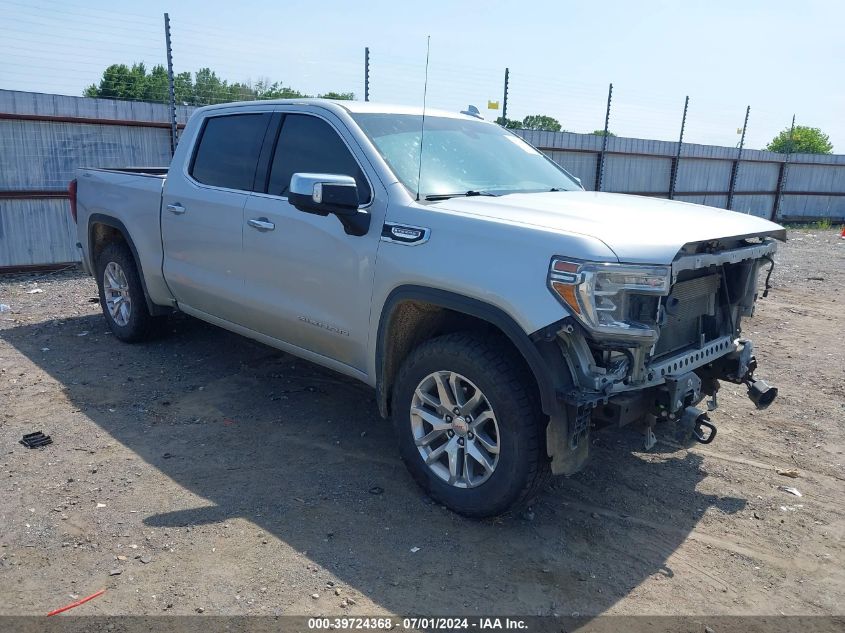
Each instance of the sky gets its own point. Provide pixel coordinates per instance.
(781, 58)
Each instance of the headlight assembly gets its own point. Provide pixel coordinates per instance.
(618, 300)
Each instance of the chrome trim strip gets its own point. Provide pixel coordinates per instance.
(425, 234)
(261, 194)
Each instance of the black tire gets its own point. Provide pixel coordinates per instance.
(141, 325)
(523, 466)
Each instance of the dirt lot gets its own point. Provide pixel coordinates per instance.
(207, 473)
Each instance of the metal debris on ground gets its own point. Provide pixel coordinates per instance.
(34, 291)
(650, 439)
(414, 550)
(34, 440)
(791, 490)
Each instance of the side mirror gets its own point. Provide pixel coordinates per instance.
(322, 194)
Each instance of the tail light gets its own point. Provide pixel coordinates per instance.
(71, 194)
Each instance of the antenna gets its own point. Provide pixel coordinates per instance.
(422, 127)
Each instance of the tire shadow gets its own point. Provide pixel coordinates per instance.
(302, 453)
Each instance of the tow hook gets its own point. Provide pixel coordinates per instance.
(698, 434)
(691, 425)
(761, 393)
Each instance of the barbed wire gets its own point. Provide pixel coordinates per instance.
(93, 39)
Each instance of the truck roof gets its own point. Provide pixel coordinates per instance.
(353, 107)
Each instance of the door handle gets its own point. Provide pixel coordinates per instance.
(262, 224)
(176, 208)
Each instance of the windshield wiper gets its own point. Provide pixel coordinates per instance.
(466, 194)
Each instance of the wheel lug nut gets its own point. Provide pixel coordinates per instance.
(471, 436)
(456, 411)
(460, 441)
(449, 419)
(450, 433)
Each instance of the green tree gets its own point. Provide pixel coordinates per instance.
(511, 124)
(339, 96)
(541, 122)
(155, 86)
(209, 88)
(204, 87)
(183, 87)
(803, 140)
(601, 133)
(115, 83)
(276, 90)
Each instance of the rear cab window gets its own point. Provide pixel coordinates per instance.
(228, 148)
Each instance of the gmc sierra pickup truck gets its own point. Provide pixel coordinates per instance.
(501, 312)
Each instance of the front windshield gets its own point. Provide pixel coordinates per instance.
(460, 157)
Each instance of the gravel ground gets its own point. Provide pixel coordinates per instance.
(207, 473)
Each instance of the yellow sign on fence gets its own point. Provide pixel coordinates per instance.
(492, 105)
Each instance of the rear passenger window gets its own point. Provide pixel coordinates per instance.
(308, 144)
(228, 150)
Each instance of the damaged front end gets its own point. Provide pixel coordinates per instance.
(649, 343)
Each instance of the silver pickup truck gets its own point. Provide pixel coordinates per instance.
(501, 312)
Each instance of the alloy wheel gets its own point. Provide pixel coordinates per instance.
(455, 429)
(116, 293)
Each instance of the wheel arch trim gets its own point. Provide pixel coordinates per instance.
(107, 220)
(493, 315)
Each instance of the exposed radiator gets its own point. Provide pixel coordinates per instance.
(685, 306)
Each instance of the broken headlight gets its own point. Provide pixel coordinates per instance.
(619, 300)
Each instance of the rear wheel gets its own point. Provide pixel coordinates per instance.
(122, 296)
(470, 430)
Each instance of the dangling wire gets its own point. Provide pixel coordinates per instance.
(769, 275)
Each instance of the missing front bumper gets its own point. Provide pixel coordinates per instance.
(671, 393)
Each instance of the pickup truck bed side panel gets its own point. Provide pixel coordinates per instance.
(134, 201)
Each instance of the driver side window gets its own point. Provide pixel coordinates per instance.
(307, 144)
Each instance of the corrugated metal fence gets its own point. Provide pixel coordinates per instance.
(45, 138)
(804, 187)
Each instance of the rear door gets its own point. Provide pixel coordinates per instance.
(202, 213)
(308, 283)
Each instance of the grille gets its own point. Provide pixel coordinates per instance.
(685, 306)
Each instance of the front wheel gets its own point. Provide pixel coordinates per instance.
(469, 426)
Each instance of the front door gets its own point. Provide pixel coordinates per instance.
(308, 283)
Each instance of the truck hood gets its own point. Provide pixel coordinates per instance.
(637, 229)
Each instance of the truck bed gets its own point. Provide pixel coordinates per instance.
(132, 196)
